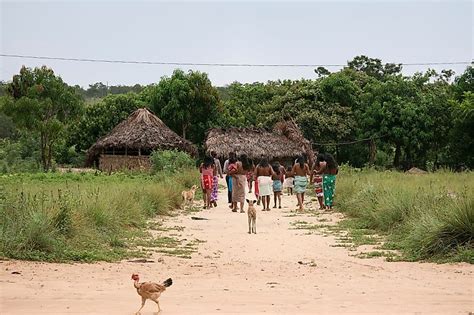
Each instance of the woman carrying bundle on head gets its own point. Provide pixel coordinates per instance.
(300, 171)
(239, 181)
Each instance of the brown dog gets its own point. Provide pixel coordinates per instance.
(252, 214)
(188, 195)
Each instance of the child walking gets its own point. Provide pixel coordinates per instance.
(288, 183)
(232, 167)
(207, 175)
(277, 185)
(317, 180)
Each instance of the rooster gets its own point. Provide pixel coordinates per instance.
(150, 290)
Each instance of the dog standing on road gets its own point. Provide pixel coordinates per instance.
(188, 195)
(252, 214)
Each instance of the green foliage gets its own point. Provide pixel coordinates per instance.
(461, 140)
(82, 217)
(186, 102)
(243, 103)
(19, 155)
(320, 120)
(99, 90)
(464, 83)
(423, 120)
(43, 104)
(419, 214)
(374, 67)
(171, 161)
(7, 127)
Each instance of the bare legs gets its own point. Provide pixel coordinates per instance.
(235, 206)
(300, 197)
(266, 203)
(277, 196)
(204, 198)
(207, 198)
(321, 204)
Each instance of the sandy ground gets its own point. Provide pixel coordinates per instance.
(280, 270)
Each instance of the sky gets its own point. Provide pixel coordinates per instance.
(264, 32)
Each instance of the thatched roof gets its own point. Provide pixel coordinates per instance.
(257, 142)
(291, 130)
(141, 130)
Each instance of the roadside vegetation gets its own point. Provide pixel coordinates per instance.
(424, 217)
(86, 216)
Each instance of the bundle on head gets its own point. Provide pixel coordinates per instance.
(276, 168)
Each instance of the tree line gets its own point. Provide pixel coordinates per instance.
(367, 113)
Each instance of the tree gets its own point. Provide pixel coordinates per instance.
(186, 102)
(97, 90)
(322, 72)
(404, 112)
(464, 83)
(461, 136)
(374, 67)
(243, 104)
(43, 104)
(320, 119)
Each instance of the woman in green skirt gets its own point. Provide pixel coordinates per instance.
(329, 169)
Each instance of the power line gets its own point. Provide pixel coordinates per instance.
(213, 64)
(348, 142)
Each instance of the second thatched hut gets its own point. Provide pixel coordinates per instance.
(130, 143)
(283, 143)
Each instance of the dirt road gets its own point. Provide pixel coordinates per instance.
(280, 270)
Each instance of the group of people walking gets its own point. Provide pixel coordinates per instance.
(266, 179)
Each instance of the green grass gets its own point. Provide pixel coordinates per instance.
(83, 217)
(427, 217)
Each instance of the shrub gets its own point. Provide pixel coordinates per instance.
(171, 160)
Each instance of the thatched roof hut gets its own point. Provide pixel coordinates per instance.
(133, 140)
(284, 143)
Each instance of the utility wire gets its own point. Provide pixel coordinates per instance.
(214, 64)
(348, 142)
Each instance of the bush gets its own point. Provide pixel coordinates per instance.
(171, 160)
(17, 156)
(442, 232)
(419, 214)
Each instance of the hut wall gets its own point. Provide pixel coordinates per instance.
(112, 163)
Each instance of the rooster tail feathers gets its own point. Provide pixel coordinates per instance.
(168, 282)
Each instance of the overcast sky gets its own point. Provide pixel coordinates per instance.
(265, 32)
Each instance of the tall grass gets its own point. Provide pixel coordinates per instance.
(82, 217)
(426, 216)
